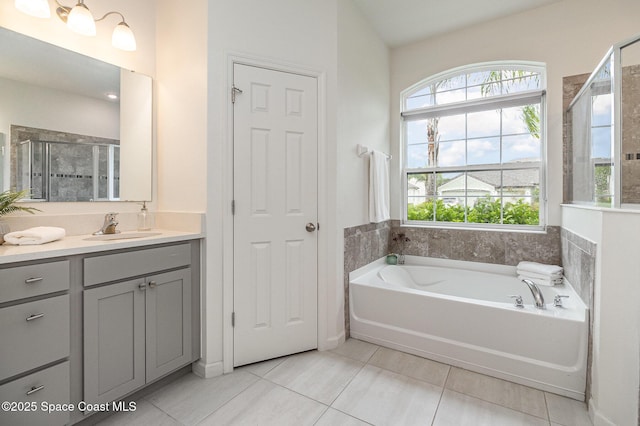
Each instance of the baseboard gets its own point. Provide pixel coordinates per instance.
(597, 418)
(207, 371)
(332, 342)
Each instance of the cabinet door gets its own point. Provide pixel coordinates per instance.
(168, 322)
(114, 328)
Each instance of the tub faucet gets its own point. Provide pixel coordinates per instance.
(109, 225)
(537, 294)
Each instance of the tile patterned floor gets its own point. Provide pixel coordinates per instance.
(355, 384)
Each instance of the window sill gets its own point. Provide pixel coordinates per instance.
(525, 229)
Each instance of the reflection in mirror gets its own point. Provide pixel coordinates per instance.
(57, 166)
(77, 129)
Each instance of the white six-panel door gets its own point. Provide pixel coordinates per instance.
(275, 193)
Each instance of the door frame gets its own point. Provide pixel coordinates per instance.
(227, 217)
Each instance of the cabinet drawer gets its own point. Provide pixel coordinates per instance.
(33, 280)
(33, 334)
(112, 267)
(50, 385)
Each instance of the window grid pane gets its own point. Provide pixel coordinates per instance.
(505, 138)
(481, 84)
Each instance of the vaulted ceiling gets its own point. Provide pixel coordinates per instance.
(401, 22)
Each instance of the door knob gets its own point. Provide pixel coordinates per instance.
(310, 227)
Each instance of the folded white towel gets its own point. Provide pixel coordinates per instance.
(545, 282)
(535, 275)
(34, 236)
(539, 268)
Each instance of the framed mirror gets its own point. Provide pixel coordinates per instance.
(74, 128)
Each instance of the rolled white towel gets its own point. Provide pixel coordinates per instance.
(534, 275)
(35, 236)
(539, 268)
(545, 282)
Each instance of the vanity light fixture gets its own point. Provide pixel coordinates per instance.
(80, 20)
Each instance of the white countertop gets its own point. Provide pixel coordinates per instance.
(74, 245)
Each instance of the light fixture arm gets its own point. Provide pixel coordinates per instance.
(112, 13)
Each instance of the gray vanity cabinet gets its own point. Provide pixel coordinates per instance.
(168, 322)
(114, 340)
(138, 330)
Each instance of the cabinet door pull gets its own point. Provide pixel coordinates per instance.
(153, 284)
(34, 317)
(142, 287)
(33, 280)
(35, 389)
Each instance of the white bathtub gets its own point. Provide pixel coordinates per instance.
(461, 313)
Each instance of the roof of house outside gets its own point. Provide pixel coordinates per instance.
(524, 178)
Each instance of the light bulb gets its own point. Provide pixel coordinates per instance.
(123, 37)
(37, 8)
(81, 21)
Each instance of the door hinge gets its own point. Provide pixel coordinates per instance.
(233, 207)
(234, 91)
(233, 319)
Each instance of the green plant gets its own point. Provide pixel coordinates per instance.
(485, 210)
(8, 201)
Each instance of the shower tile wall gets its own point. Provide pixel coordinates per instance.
(630, 134)
(73, 180)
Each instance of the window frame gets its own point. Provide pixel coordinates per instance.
(501, 101)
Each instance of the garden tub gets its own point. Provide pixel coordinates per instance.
(462, 314)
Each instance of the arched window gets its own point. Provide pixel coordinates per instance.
(474, 147)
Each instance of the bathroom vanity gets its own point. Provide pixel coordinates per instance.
(86, 323)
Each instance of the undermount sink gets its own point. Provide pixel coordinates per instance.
(121, 236)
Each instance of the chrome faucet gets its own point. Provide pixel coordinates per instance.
(537, 294)
(109, 225)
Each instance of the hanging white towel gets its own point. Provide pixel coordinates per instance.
(35, 236)
(378, 187)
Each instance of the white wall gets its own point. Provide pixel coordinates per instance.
(181, 102)
(616, 317)
(570, 36)
(363, 109)
(140, 16)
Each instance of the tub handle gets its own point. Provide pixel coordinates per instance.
(557, 301)
(518, 302)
